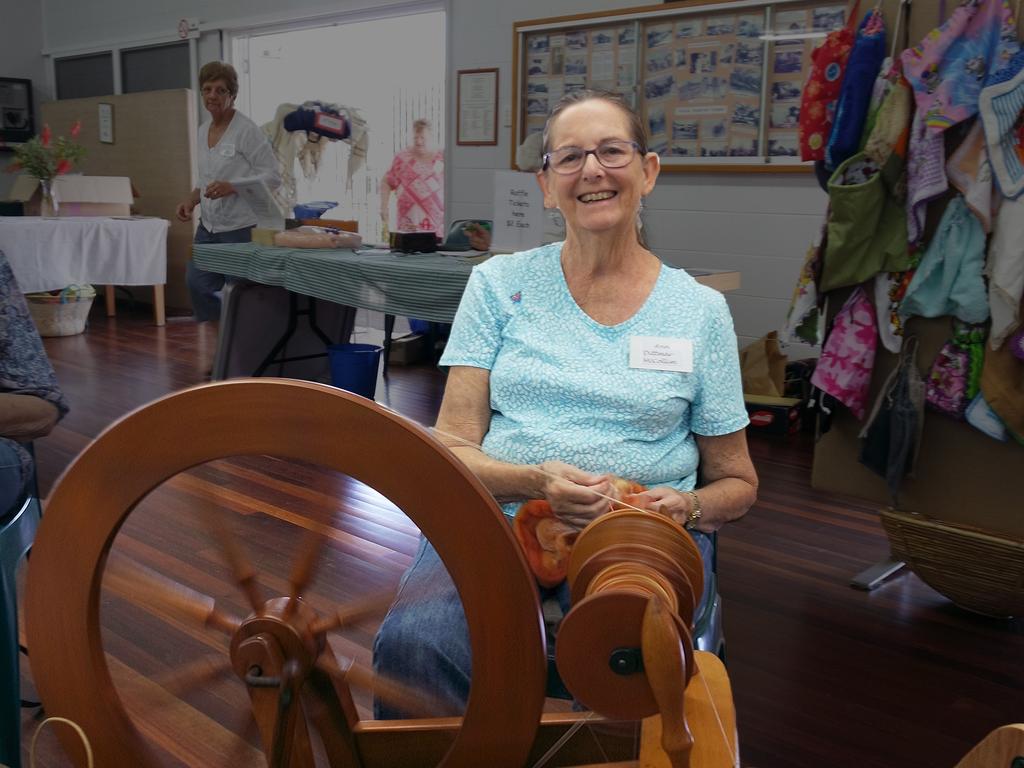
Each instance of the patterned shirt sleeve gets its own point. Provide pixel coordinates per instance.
(24, 367)
(718, 408)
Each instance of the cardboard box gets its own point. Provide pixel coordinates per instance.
(263, 235)
(78, 195)
(773, 415)
(347, 225)
(408, 350)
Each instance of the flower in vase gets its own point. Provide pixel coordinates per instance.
(44, 157)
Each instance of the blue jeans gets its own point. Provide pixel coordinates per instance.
(203, 286)
(423, 642)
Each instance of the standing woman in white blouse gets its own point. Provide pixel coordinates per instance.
(231, 148)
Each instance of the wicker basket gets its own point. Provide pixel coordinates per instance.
(982, 572)
(62, 314)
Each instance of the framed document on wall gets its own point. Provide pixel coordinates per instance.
(477, 103)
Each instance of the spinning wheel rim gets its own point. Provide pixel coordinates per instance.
(306, 422)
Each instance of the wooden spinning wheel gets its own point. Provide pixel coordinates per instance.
(294, 683)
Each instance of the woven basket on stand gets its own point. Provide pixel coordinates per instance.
(978, 570)
(62, 314)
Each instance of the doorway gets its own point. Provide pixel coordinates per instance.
(391, 69)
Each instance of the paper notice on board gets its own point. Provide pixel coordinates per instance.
(477, 101)
(256, 193)
(602, 66)
(518, 212)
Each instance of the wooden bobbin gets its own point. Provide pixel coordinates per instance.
(618, 564)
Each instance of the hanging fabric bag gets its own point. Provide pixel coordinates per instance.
(818, 102)
(862, 70)
(866, 233)
(891, 438)
(848, 357)
(949, 66)
(955, 376)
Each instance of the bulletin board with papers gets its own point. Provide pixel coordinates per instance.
(718, 84)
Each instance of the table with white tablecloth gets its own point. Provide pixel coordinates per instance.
(52, 253)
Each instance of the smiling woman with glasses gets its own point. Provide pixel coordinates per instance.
(573, 364)
(230, 147)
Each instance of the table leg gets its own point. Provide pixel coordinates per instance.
(159, 313)
(111, 306)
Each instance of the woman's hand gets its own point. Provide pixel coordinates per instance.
(184, 212)
(667, 501)
(573, 493)
(218, 189)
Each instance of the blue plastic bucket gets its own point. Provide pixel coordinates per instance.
(354, 367)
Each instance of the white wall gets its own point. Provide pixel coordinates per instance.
(760, 224)
(21, 43)
(72, 24)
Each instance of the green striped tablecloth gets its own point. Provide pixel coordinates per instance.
(258, 263)
(425, 286)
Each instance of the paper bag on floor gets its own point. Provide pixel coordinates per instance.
(763, 367)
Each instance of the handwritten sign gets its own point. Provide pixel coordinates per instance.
(518, 212)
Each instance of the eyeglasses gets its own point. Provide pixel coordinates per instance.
(218, 91)
(610, 154)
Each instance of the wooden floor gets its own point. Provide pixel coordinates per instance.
(823, 675)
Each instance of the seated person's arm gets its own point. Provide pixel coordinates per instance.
(26, 417)
(729, 490)
(466, 414)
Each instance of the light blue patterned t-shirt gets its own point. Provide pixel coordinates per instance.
(561, 385)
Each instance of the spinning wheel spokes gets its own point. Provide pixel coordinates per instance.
(162, 717)
(287, 420)
(305, 567)
(272, 656)
(415, 703)
(356, 611)
(195, 674)
(245, 574)
(143, 585)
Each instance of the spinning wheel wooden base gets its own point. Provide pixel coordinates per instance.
(296, 686)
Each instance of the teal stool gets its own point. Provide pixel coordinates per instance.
(16, 535)
(708, 634)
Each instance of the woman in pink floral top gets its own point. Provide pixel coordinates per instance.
(417, 174)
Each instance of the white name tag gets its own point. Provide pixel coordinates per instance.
(658, 353)
(227, 150)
